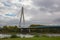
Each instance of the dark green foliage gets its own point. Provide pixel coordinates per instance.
(9, 30)
(14, 36)
(15, 29)
(36, 35)
(34, 25)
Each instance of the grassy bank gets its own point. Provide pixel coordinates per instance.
(34, 38)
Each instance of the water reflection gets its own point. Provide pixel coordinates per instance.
(26, 35)
(20, 35)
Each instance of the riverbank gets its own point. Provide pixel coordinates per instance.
(33, 38)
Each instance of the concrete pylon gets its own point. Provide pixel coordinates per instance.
(22, 19)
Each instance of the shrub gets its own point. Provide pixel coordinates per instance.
(45, 36)
(14, 36)
(36, 35)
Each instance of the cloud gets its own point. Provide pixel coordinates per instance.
(50, 5)
(10, 14)
(57, 20)
(36, 11)
(7, 3)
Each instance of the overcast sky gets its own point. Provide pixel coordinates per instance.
(46, 12)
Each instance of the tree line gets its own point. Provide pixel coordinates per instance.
(9, 29)
(15, 29)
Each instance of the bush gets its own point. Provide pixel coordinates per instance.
(36, 35)
(14, 36)
(45, 36)
(23, 37)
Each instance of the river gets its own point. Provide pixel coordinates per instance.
(26, 35)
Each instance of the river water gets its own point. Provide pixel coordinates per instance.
(26, 35)
(19, 35)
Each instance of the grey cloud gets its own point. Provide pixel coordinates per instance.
(43, 3)
(47, 4)
(39, 15)
(56, 20)
(7, 3)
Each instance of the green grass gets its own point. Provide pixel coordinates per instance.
(34, 38)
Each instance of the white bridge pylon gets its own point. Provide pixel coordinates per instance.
(22, 22)
(22, 19)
